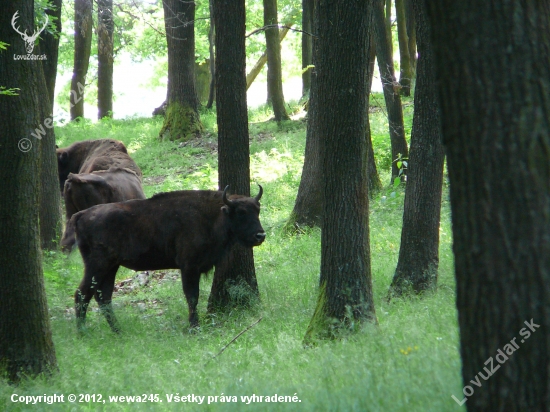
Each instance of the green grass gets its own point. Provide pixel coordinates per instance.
(409, 362)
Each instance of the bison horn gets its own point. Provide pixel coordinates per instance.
(224, 197)
(259, 195)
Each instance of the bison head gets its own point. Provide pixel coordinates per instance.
(244, 217)
(63, 167)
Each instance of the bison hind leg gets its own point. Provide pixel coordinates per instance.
(103, 297)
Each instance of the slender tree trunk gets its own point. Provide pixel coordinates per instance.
(182, 120)
(406, 72)
(257, 68)
(26, 346)
(419, 251)
(82, 49)
(375, 185)
(50, 47)
(307, 45)
(388, 24)
(234, 282)
(391, 88)
(345, 288)
(308, 206)
(50, 199)
(211, 34)
(411, 34)
(274, 70)
(493, 77)
(105, 58)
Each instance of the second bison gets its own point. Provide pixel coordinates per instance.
(187, 230)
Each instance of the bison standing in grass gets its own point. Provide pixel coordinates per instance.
(187, 230)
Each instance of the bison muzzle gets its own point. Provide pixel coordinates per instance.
(187, 230)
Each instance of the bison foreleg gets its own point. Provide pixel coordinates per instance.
(190, 282)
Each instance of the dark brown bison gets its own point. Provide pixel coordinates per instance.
(91, 155)
(85, 190)
(187, 230)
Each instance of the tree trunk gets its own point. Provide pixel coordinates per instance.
(50, 199)
(307, 45)
(26, 346)
(308, 206)
(493, 71)
(419, 251)
(274, 71)
(406, 73)
(234, 282)
(50, 47)
(82, 48)
(345, 288)
(104, 58)
(388, 25)
(212, 63)
(375, 185)
(182, 120)
(391, 88)
(257, 68)
(411, 34)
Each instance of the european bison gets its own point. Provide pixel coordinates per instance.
(187, 230)
(85, 190)
(91, 155)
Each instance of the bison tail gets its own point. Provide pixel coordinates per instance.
(70, 236)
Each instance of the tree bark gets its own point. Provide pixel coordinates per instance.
(182, 120)
(388, 24)
(419, 251)
(307, 45)
(345, 289)
(82, 49)
(50, 47)
(26, 346)
(308, 206)
(274, 70)
(406, 72)
(493, 70)
(391, 88)
(375, 184)
(411, 34)
(212, 62)
(234, 282)
(105, 58)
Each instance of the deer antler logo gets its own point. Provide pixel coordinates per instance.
(29, 40)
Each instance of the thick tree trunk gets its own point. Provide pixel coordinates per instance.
(390, 86)
(307, 45)
(419, 251)
(308, 206)
(26, 346)
(212, 63)
(274, 70)
(182, 120)
(493, 70)
(406, 72)
(82, 49)
(105, 58)
(234, 282)
(345, 288)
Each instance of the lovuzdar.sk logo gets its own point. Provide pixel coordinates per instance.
(29, 40)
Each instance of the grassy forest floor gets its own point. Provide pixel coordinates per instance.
(409, 362)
